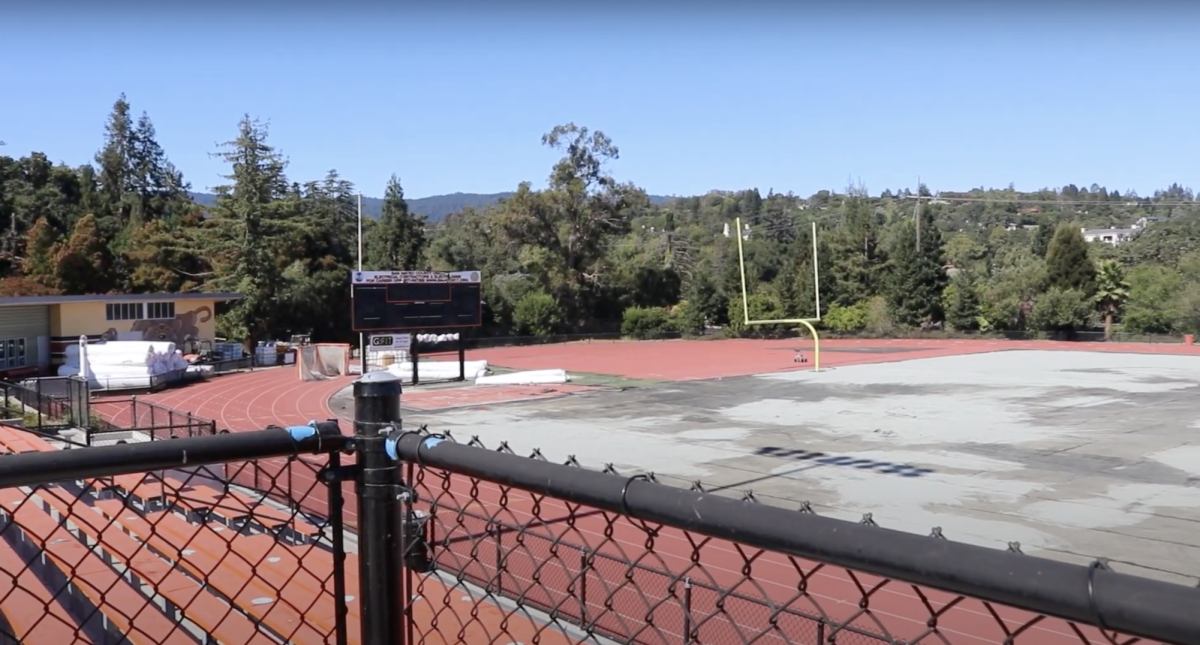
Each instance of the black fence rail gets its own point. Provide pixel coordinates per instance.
(570, 555)
(46, 406)
(112, 416)
(163, 543)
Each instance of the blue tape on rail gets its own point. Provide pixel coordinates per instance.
(431, 442)
(390, 447)
(300, 433)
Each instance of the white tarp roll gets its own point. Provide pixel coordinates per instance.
(438, 370)
(531, 377)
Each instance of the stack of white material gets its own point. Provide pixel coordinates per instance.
(438, 370)
(531, 377)
(122, 363)
(431, 339)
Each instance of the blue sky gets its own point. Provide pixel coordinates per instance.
(764, 95)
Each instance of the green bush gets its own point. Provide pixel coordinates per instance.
(761, 306)
(537, 314)
(846, 320)
(687, 318)
(646, 322)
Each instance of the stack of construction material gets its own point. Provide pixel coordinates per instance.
(439, 370)
(122, 363)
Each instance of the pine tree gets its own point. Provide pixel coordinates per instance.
(248, 229)
(1068, 265)
(962, 304)
(917, 279)
(158, 188)
(115, 160)
(397, 241)
(859, 262)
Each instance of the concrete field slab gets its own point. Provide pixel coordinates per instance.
(1074, 455)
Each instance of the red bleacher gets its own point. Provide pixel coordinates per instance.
(162, 559)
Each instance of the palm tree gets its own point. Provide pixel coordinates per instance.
(1111, 292)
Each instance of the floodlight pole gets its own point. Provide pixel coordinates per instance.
(362, 338)
(816, 271)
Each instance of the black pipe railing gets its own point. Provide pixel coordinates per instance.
(123, 459)
(1090, 595)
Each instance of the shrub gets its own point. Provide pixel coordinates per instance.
(688, 318)
(537, 314)
(846, 320)
(646, 322)
(762, 306)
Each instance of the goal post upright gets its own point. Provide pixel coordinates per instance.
(806, 322)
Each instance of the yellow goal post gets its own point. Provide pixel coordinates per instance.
(806, 322)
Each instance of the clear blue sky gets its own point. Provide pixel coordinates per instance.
(1038, 94)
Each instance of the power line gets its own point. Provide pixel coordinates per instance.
(1064, 202)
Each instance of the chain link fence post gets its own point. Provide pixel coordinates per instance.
(376, 408)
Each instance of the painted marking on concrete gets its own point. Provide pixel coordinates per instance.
(884, 467)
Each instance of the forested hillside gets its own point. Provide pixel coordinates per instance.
(592, 251)
(433, 209)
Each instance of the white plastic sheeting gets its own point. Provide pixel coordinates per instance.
(530, 377)
(122, 363)
(438, 370)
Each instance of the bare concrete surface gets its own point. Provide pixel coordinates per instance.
(1074, 455)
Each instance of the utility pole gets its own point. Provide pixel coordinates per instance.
(917, 214)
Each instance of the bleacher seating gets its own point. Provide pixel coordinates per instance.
(162, 558)
(178, 557)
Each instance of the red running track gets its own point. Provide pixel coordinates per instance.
(688, 360)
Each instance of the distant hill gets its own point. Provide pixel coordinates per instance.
(434, 208)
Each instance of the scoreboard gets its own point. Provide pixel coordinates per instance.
(386, 301)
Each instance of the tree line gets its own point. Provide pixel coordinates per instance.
(590, 253)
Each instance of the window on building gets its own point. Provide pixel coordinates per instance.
(12, 353)
(124, 311)
(160, 310)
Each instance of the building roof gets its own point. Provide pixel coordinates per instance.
(116, 297)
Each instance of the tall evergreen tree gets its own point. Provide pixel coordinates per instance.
(249, 228)
(1068, 264)
(397, 241)
(916, 279)
(115, 161)
(157, 188)
(962, 303)
(859, 261)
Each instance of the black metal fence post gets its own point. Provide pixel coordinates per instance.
(414, 356)
(376, 408)
(462, 355)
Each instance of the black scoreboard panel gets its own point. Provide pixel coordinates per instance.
(389, 301)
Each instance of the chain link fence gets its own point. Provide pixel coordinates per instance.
(560, 571)
(164, 556)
